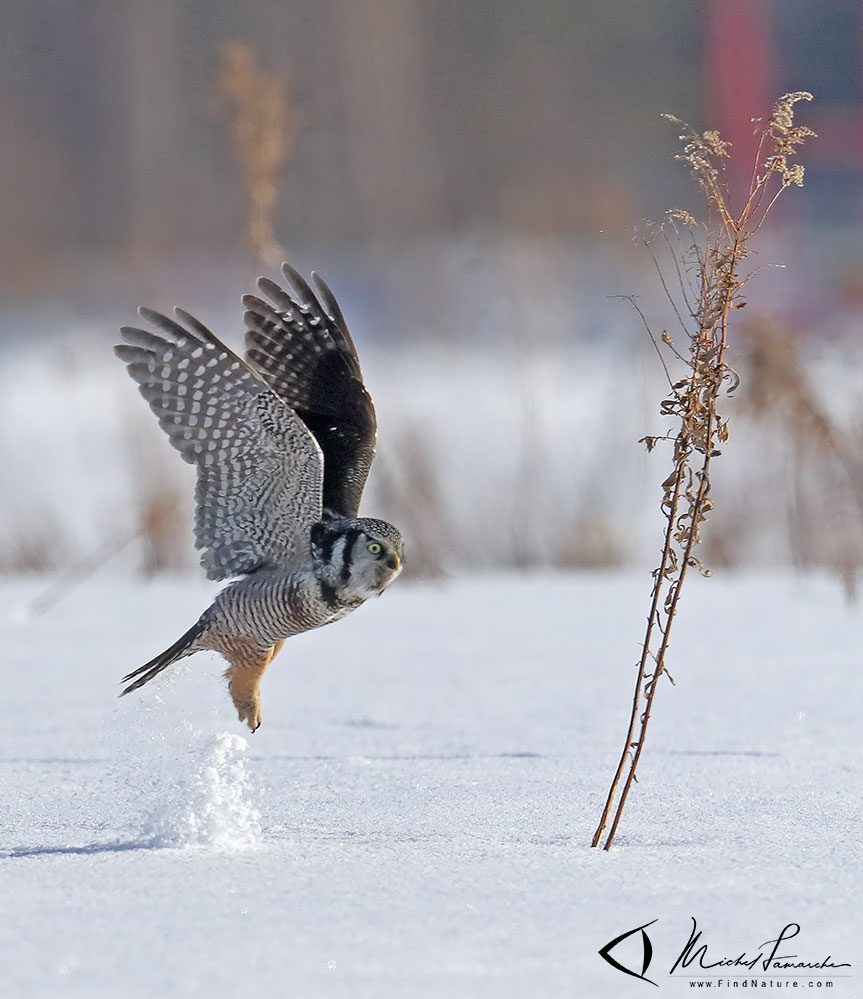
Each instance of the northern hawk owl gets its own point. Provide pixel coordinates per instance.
(282, 441)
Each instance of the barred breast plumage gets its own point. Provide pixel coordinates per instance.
(283, 442)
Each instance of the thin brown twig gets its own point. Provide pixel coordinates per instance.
(665, 288)
(635, 305)
(676, 263)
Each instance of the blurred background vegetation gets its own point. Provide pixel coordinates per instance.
(465, 175)
(408, 117)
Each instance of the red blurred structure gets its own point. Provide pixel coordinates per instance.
(744, 68)
(740, 84)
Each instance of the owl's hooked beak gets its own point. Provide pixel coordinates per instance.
(393, 564)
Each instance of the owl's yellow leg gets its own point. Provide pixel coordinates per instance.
(248, 665)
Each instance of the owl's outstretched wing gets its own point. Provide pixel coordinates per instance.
(300, 344)
(260, 471)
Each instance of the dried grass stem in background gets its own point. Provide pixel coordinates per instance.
(707, 260)
(263, 131)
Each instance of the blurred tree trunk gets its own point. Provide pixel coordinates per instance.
(156, 160)
(394, 169)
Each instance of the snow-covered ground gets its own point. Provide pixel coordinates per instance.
(413, 818)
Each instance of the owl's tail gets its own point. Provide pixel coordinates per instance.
(184, 646)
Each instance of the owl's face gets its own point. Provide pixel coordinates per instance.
(360, 558)
(377, 557)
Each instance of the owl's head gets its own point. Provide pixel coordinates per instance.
(359, 558)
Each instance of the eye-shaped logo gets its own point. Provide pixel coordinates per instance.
(646, 949)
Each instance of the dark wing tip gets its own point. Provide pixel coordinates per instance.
(328, 301)
(193, 324)
(126, 352)
(152, 316)
(280, 299)
(163, 323)
(261, 309)
(296, 279)
(266, 285)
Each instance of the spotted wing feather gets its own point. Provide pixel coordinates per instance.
(300, 344)
(260, 474)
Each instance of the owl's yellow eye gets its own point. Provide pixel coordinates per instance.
(375, 548)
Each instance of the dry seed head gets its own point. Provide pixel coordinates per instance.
(716, 145)
(681, 216)
(782, 118)
(785, 138)
(702, 151)
(792, 174)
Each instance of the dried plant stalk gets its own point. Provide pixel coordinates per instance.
(825, 455)
(264, 131)
(708, 276)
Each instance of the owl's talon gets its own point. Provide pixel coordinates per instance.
(250, 713)
(254, 720)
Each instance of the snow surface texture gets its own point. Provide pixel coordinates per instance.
(413, 818)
